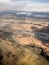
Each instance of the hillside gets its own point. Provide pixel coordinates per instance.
(24, 39)
(13, 53)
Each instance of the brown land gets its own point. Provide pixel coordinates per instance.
(15, 51)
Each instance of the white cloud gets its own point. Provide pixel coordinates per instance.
(24, 5)
(5, 1)
(37, 7)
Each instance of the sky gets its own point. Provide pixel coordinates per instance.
(25, 5)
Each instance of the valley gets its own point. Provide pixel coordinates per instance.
(23, 39)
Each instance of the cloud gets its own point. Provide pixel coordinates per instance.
(37, 7)
(41, 1)
(20, 5)
(44, 1)
(5, 1)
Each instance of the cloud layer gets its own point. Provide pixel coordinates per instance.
(24, 5)
(46, 1)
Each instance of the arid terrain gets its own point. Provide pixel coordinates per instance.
(23, 40)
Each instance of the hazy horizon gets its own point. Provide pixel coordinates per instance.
(25, 5)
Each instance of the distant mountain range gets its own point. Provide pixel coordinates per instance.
(39, 15)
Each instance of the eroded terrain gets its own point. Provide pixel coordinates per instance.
(21, 38)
